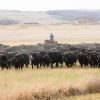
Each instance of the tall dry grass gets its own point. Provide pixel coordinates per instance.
(48, 93)
(88, 87)
(44, 90)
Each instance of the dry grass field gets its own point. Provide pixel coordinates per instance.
(50, 84)
(64, 33)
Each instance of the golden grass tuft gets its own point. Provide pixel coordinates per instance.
(90, 87)
(93, 86)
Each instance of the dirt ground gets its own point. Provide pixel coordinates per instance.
(33, 34)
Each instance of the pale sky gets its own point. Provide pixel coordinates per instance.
(42, 5)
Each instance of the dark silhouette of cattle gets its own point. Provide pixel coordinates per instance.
(70, 59)
(56, 57)
(46, 60)
(94, 59)
(20, 60)
(83, 59)
(10, 56)
(36, 59)
(53, 58)
(3, 62)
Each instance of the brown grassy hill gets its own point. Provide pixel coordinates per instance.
(85, 20)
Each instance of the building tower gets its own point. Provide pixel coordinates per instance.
(51, 38)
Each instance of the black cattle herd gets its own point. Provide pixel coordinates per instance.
(51, 59)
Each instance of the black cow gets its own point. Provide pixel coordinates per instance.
(20, 60)
(3, 62)
(10, 56)
(93, 59)
(36, 59)
(70, 59)
(56, 57)
(46, 59)
(83, 59)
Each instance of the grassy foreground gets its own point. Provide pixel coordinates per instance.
(49, 84)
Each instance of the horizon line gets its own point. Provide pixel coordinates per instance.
(52, 10)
